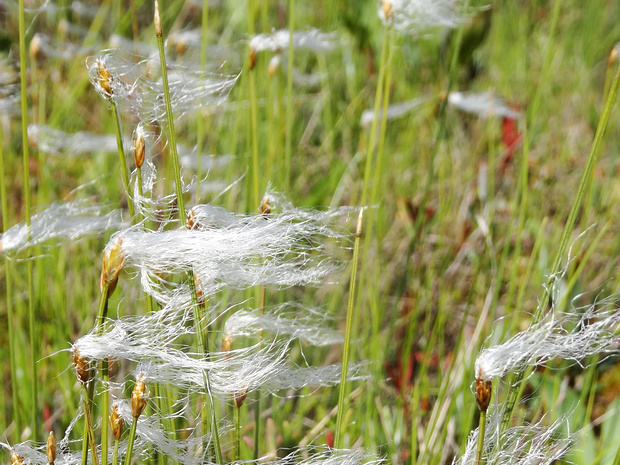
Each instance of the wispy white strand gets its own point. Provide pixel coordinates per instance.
(319, 455)
(293, 320)
(57, 142)
(393, 111)
(135, 89)
(484, 104)
(518, 445)
(314, 40)
(69, 221)
(325, 376)
(418, 17)
(570, 336)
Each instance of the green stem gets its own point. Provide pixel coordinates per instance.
(289, 96)
(9, 289)
(347, 334)
(115, 453)
(237, 434)
(89, 425)
(481, 428)
(172, 139)
(373, 126)
(183, 219)
(27, 201)
(130, 441)
(121, 156)
(584, 185)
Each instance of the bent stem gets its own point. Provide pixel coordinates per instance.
(347, 334)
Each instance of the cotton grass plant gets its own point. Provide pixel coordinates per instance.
(191, 325)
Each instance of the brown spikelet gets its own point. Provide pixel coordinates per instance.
(192, 222)
(16, 459)
(252, 58)
(227, 343)
(51, 448)
(35, 49)
(613, 55)
(199, 292)
(387, 9)
(112, 264)
(138, 147)
(274, 64)
(157, 21)
(239, 397)
(116, 423)
(483, 393)
(82, 368)
(138, 397)
(265, 207)
(104, 77)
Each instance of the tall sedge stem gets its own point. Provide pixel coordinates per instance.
(9, 289)
(115, 453)
(373, 127)
(481, 428)
(179, 191)
(130, 441)
(27, 202)
(89, 425)
(584, 186)
(121, 155)
(347, 334)
(237, 434)
(253, 107)
(289, 96)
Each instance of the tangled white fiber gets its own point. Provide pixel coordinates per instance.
(518, 445)
(570, 336)
(314, 40)
(327, 456)
(417, 17)
(133, 88)
(236, 251)
(68, 221)
(287, 319)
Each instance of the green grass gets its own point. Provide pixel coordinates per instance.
(461, 231)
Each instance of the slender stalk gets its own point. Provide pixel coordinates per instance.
(9, 290)
(179, 191)
(481, 428)
(27, 203)
(89, 424)
(289, 96)
(130, 441)
(258, 393)
(121, 156)
(584, 185)
(347, 334)
(115, 453)
(373, 126)
(253, 108)
(237, 434)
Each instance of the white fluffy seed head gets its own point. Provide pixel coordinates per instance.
(484, 104)
(313, 40)
(518, 445)
(418, 17)
(570, 336)
(68, 221)
(129, 81)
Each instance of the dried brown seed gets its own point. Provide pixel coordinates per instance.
(116, 422)
(483, 393)
(51, 448)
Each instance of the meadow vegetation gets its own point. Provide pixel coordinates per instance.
(314, 233)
